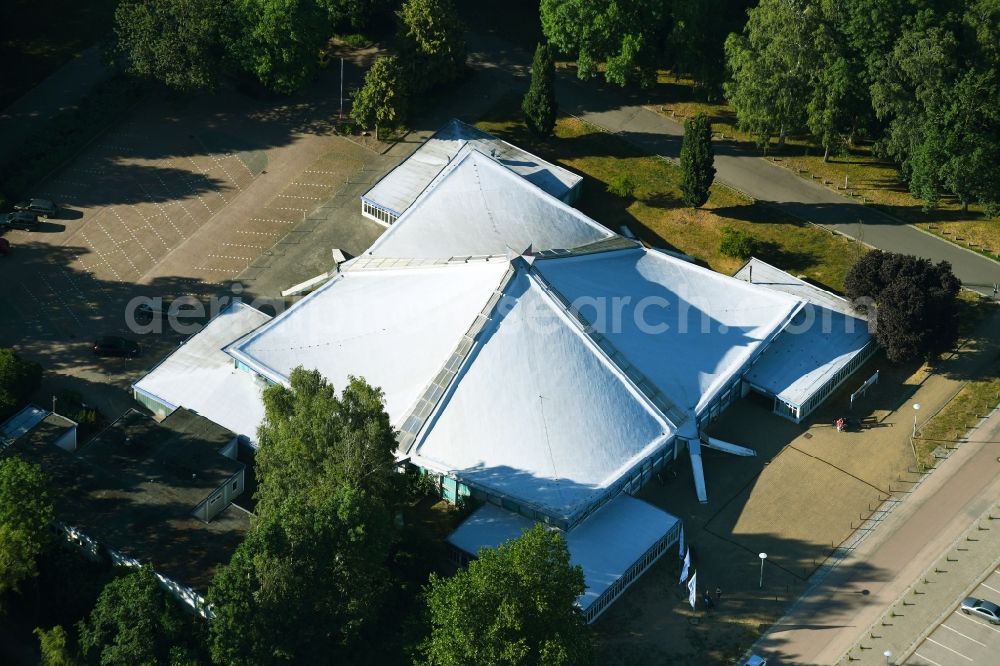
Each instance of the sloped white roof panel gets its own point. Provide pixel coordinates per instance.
(605, 545)
(810, 351)
(394, 327)
(765, 275)
(478, 207)
(537, 412)
(200, 376)
(688, 329)
(401, 186)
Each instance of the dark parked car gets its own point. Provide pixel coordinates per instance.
(42, 207)
(19, 220)
(4, 246)
(113, 345)
(987, 610)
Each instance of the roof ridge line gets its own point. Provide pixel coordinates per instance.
(667, 408)
(612, 244)
(367, 262)
(426, 404)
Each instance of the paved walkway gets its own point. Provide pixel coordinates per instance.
(610, 108)
(829, 620)
(62, 90)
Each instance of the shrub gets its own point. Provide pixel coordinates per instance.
(737, 243)
(622, 185)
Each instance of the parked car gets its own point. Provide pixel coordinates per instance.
(21, 219)
(114, 345)
(4, 246)
(42, 207)
(987, 610)
(148, 312)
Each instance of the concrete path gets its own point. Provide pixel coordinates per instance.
(61, 90)
(743, 169)
(828, 620)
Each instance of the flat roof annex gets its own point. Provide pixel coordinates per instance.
(476, 206)
(199, 375)
(822, 338)
(606, 544)
(399, 188)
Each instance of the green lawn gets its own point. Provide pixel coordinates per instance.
(38, 36)
(868, 178)
(655, 213)
(977, 399)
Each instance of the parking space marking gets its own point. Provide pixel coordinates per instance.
(163, 211)
(977, 622)
(931, 640)
(149, 225)
(299, 196)
(257, 233)
(60, 299)
(121, 249)
(300, 210)
(251, 247)
(227, 271)
(990, 588)
(100, 256)
(174, 199)
(963, 635)
(268, 219)
(227, 256)
(934, 663)
(134, 237)
(313, 184)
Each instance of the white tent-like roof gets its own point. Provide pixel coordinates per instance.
(400, 187)
(688, 329)
(203, 378)
(395, 327)
(538, 412)
(821, 340)
(476, 206)
(605, 545)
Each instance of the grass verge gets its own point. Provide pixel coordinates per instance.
(655, 212)
(976, 400)
(875, 181)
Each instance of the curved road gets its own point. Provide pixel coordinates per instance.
(652, 132)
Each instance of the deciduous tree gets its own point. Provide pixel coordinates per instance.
(18, 380)
(310, 575)
(539, 104)
(434, 39)
(276, 41)
(175, 42)
(916, 313)
(25, 515)
(382, 99)
(135, 622)
(697, 161)
(515, 604)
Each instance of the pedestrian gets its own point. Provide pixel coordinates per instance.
(707, 600)
(718, 594)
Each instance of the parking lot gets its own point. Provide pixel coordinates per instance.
(173, 202)
(964, 640)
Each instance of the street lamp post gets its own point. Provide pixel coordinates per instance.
(762, 556)
(888, 655)
(916, 408)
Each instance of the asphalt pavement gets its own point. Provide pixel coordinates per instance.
(742, 168)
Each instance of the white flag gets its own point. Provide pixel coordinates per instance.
(680, 548)
(693, 589)
(685, 566)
